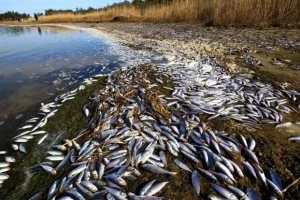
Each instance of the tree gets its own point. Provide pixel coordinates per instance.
(11, 15)
(138, 3)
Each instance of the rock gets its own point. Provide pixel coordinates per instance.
(121, 18)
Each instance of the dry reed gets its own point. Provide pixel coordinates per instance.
(239, 13)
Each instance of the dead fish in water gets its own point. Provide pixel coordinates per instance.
(4, 169)
(21, 134)
(21, 140)
(19, 116)
(4, 164)
(34, 119)
(15, 147)
(3, 152)
(26, 126)
(3, 176)
(42, 139)
(10, 159)
(22, 148)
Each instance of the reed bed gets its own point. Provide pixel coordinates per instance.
(238, 13)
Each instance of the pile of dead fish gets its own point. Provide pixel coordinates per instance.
(30, 131)
(132, 126)
(206, 89)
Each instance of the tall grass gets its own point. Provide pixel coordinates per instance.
(240, 13)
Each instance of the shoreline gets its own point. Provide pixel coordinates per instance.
(186, 49)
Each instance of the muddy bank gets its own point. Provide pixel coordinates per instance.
(277, 49)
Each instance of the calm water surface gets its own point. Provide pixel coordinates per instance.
(37, 63)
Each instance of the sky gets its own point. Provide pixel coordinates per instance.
(39, 6)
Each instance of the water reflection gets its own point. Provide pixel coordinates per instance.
(30, 63)
(39, 30)
(35, 67)
(23, 30)
(38, 63)
(56, 29)
(15, 30)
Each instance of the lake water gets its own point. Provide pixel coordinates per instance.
(38, 63)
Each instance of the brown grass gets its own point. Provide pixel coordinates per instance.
(248, 13)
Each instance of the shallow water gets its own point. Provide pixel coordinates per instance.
(38, 63)
(34, 57)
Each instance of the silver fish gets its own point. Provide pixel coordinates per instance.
(196, 182)
(156, 169)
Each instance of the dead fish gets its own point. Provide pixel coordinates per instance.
(182, 165)
(196, 181)
(3, 176)
(273, 187)
(296, 138)
(22, 148)
(55, 158)
(3, 152)
(146, 187)
(10, 159)
(252, 194)
(15, 147)
(42, 139)
(19, 116)
(283, 124)
(224, 191)
(48, 169)
(275, 179)
(156, 169)
(156, 187)
(23, 133)
(26, 126)
(4, 169)
(85, 110)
